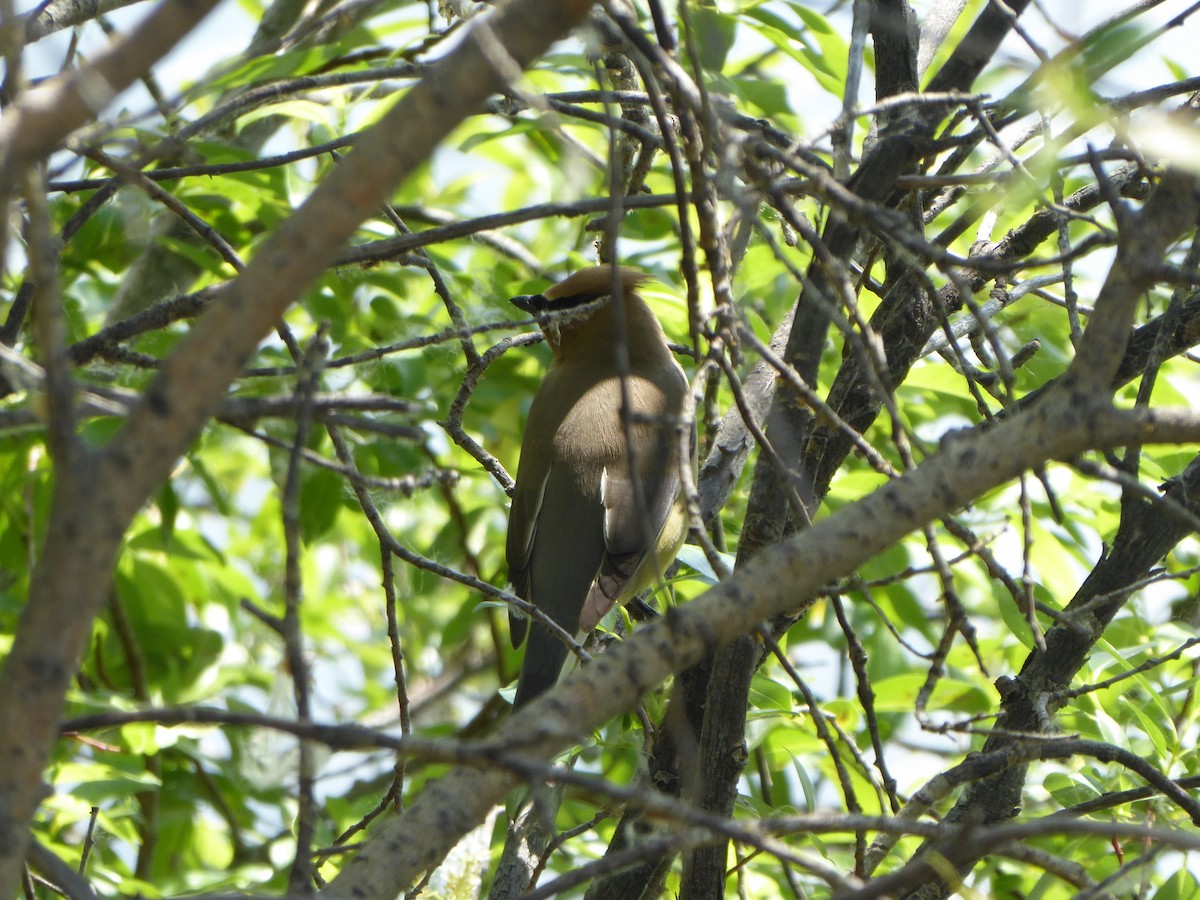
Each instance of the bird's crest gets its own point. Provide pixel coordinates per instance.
(591, 284)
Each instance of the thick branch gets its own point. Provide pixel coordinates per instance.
(41, 118)
(95, 501)
(1144, 242)
(59, 14)
(780, 579)
(900, 145)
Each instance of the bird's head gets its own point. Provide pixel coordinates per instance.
(567, 311)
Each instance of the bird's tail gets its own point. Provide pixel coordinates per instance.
(544, 658)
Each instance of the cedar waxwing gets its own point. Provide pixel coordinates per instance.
(583, 518)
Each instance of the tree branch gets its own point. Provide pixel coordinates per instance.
(95, 499)
(780, 579)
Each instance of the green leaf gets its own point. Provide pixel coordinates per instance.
(274, 67)
(1179, 885)
(479, 138)
(1015, 619)
(168, 508)
(304, 110)
(693, 557)
(714, 33)
(767, 693)
(816, 46)
(1149, 726)
(98, 783)
(321, 493)
(152, 594)
(767, 97)
(899, 694)
(1069, 789)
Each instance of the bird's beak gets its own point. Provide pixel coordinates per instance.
(534, 304)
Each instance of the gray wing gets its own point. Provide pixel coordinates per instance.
(522, 532)
(565, 553)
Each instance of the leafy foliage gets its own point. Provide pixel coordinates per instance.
(325, 544)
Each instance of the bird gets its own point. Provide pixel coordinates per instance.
(592, 524)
